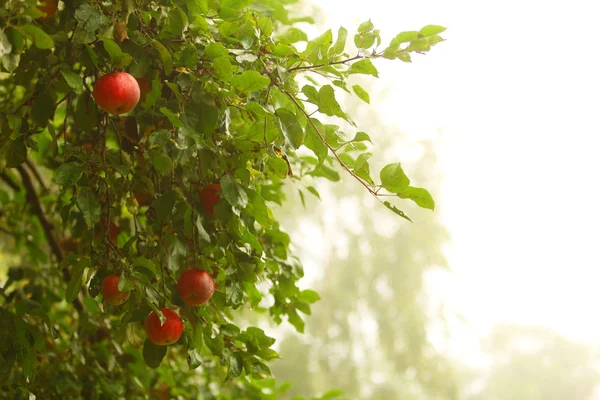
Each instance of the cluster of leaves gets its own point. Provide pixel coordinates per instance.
(221, 104)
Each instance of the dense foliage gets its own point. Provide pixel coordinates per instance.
(232, 93)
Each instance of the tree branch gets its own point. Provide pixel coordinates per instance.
(37, 175)
(303, 111)
(46, 226)
(10, 182)
(308, 67)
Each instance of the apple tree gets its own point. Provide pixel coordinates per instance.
(143, 146)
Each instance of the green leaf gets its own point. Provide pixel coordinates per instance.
(89, 18)
(231, 8)
(5, 44)
(364, 66)
(215, 49)
(309, 296)
(89, 206)
(314, 142)
(250, 81)
(201, 231)
(366, 26)
(419, 195)
(325, 172)
(113, 50)
(317, 49)
(164, 205)
(233, 192)
(258, 110)
(223, 68)
(328, 105)
(362, 137)
(17, 154)
(173, 118)
(393, 178)
(73, 79)
(235, 366)
(40, 38)
(194, 359)
(68, 174)
(294, 35)
(42, 108)
(290, 126)
(10, 62)
(396, 210)
(331, 394)
(362, 93)
(403, 37)
(153, 354)
(162, 163)
(75, 282)
(340, 43)
(431, 30)
(165, 56)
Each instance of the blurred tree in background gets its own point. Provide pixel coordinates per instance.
(534, 363)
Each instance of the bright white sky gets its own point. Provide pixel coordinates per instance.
(515, 91)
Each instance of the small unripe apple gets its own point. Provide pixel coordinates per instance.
(111, 292)
(48, 7)
(167, 333)
(117, 92)
(195, 287)
(209, 196)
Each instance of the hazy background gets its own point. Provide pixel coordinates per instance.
(496, 290)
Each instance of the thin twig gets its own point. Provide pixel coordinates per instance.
(46, 226)
(10, 182)
(303, 111)
(357, 57)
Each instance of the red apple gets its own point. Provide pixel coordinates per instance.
(48, 7)
(195, 287)
(117, 92)
(167, 333)
(209, 197)
(111, 292)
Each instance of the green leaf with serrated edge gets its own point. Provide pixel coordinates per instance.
(194, 359)
(16, 154)
(75, 282)
(431, 30)
(314, 142)
(290, 126)
(42, 108)
(215, 49)
(396, 210)
(73, 79)
(165, 56)
(223, 68)
(328, 105)
(366, 26)
(258, 110)
(41, 39)
(340, 44)
(162, 163)
(88, 204)
(419, 195)
(309, 296)
(362, 137)
(164, 205)
(153, 354)
(201, 231)
(361, 93)
(235, 366)
(393, 178)
(317, 49)
(173, 118)
(364, 66)
(68, 174)
(233, 192)
(113, 50)
(250, 81)
(403, 37)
